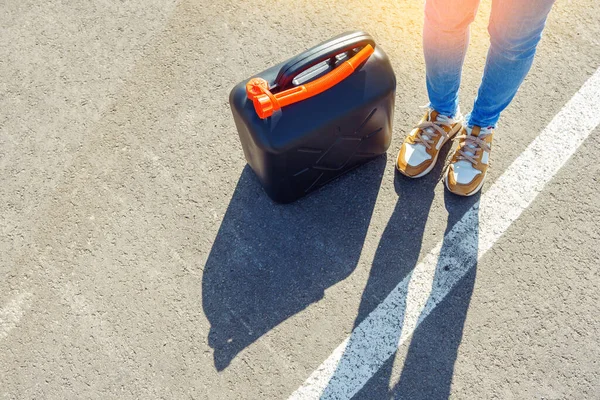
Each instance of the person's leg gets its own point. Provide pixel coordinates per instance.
(445, 41)
(515, 29)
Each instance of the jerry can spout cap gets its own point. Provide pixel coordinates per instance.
(255, 87)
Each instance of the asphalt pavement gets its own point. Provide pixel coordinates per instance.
(140, 258)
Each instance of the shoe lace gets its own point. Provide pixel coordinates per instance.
(469, 148)
(428, 131)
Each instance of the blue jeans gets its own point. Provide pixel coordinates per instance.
(515, 28)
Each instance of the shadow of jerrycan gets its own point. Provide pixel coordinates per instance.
(270, 261)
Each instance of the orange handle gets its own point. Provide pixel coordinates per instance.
(265, 102)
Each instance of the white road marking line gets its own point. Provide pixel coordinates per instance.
(387, 327)
(11, 314)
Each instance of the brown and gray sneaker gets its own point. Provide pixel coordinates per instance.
(421, 148)
(470, 162)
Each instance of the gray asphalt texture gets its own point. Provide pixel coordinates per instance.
(139, 257)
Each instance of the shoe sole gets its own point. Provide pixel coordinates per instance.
(477, 189)
(434, 162)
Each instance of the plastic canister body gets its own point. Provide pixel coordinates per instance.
(309, 143)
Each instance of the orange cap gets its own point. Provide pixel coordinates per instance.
(256, 87)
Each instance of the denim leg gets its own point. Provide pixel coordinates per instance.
(515, 29)
(445, 41)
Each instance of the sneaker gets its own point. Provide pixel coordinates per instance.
(469, 165)
(421, 148)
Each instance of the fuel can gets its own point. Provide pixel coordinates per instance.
(308, 120)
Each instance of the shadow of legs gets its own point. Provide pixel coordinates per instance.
(429, 363)
(400, 244)
(270, 261)
(396, 256)
(416, 294)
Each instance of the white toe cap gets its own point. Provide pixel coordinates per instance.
(464, 173)
(416, 154)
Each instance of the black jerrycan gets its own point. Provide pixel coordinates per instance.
(308, 120)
